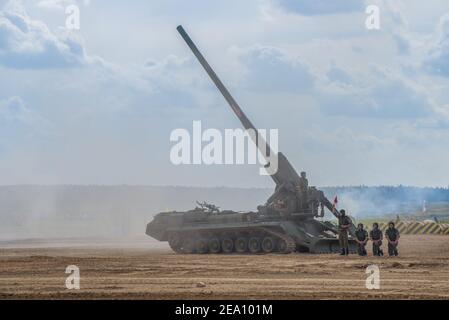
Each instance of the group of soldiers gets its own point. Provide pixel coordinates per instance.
(362, 237)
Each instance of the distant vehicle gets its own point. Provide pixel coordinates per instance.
(285, 223)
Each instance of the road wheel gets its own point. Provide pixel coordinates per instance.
(201, 246)
(335, 247)
(254, 245)
(227, 245)
(268, 245)
(283, 246)
(241, 245)
(188, 245)
(214, 245)
(175, 243)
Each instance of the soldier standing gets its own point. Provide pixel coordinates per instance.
(361, 236)
(376, 237)
(344, 222)
(392, 235)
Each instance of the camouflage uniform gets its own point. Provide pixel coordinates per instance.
(392, 234)
(361, 235)
(376, 237)
(343, 221)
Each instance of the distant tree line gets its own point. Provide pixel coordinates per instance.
(394, 193)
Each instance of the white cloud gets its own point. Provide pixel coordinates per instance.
(397, 25)
(14, 109)
(54, 4)
(373, 93)
(438, 55)
(321, 7)
(269, 69)
(29, 44)
(18, 121)
(380, 93)
(344, 139)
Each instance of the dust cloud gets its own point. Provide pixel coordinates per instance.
(42, 212)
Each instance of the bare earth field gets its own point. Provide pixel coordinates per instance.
(148, 270)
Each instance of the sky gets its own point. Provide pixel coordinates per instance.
(97, 105)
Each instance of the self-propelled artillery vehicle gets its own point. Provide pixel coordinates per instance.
(287, 222)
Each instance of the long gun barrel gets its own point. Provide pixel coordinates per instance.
(231, 101)
(285, 173)
(286, 176)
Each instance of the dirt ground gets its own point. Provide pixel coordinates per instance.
(148, 270)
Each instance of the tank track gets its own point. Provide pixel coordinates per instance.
(284, 243)
(290, 243)
(333, 249)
